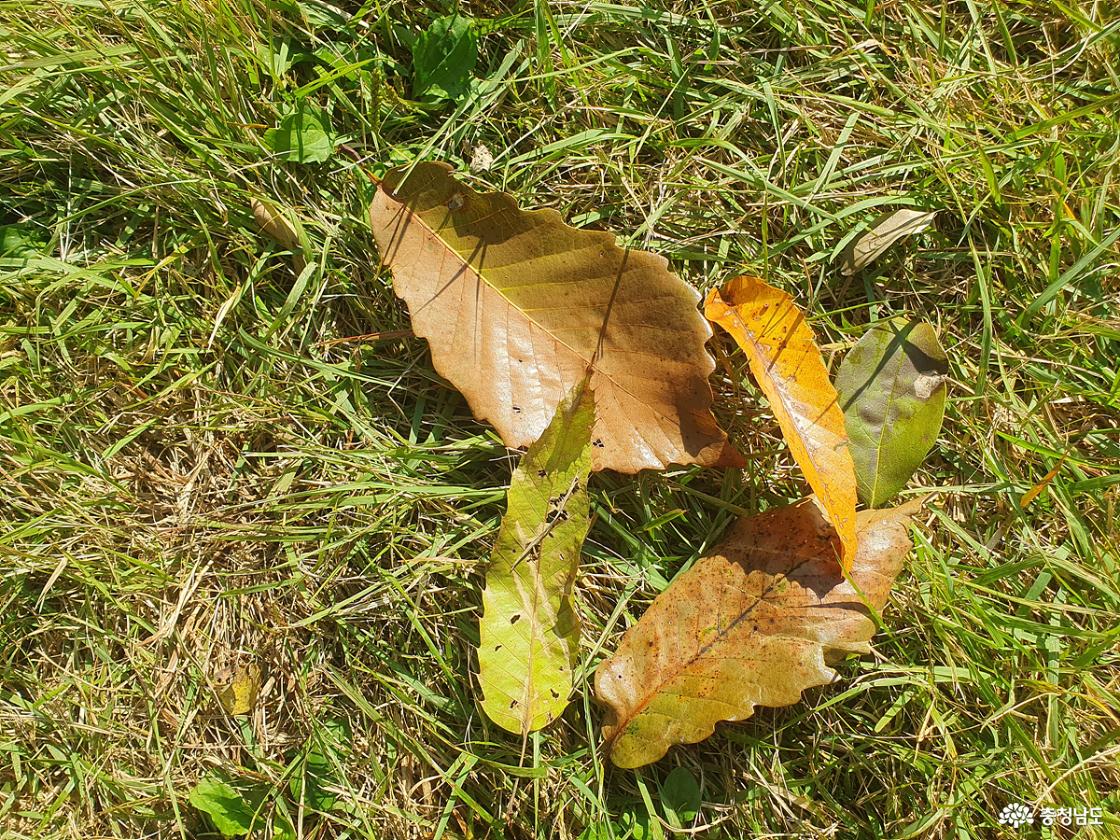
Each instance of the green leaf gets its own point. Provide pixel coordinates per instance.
(680, 797)
(892, 391)
(282, 826)
(312, 782)
(443, 57)
(638, 825)
(529, 633)
(278, 58)
(15, 241)
(599, 831)
(230, 809)
(304, 136)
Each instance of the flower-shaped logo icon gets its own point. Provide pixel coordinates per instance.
(1015, 815)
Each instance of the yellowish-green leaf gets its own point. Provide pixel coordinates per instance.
(892, 391)
(755, 623)
(529, 633)
(786, 363)
(517, 305)
(239, 694)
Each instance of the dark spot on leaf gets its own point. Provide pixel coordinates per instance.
(516, 617)
(517, 409)
(542, 473)
(554, 516)
(555, 694)
(597, 443)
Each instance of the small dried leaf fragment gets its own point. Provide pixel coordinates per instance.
(786, 363)
(755, 623)
(892, 390)
(277, 225)
(883, 233)
(1036, 490)
(284, 228)
(529, 632)
(516, 305)
(482, 159)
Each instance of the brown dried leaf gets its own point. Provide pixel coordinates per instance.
(883, 233)
(516, 306)
(755, 623)
(276, 224)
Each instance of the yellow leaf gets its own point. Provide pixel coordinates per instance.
(789, 369)
(240, 694)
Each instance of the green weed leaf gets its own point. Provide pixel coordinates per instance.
(892, 391)
(680, 797)
(15, 241)
(529, 634)
(231, 811)
(304, 136)
(443, 58)
(312, 783)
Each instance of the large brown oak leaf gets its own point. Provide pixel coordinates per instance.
(516, 306)
(755, 623)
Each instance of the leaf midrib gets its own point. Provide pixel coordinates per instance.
(590, 363)
(702, 650)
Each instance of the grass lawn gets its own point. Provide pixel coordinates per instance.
(217, 457)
